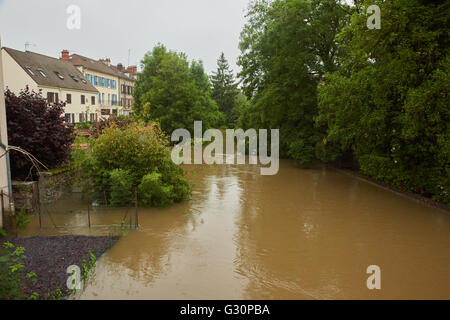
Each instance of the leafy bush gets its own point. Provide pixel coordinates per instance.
(119, 121)
(23, 218)
(153, 192)
(122, 160)
(83, 125)
(38, 128)
(121, 187)
(13, 278)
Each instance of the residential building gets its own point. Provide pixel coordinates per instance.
(57, 80)
(126, 86)
(102, 76)
(5, 183)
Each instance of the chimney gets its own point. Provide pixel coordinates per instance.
(120, 66)
(132, 70)
(106, 61)
(65, 55)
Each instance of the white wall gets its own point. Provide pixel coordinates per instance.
(4, 139)
(15, 78)
(75, 107)
(106, 92)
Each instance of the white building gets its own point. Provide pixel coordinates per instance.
(57, 80)
(4, 177)
(104, 78)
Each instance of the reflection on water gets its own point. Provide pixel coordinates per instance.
(301, 234)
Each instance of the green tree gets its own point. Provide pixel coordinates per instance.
(225, 90)
(388, 104)
(170, 90)
(286, 47)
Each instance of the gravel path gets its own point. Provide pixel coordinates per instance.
(49, 258)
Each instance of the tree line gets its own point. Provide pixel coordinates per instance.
(374, 100)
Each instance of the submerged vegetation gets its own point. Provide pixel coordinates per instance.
(131, 159)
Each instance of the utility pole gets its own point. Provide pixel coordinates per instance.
(5, 172)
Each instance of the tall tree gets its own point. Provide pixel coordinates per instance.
(388, 104)
(174, 92)
(286, 47)
(225, 89)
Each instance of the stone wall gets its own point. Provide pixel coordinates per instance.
(52, 186)
(24, 194)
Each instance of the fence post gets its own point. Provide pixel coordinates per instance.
(136, 207)
(89, 212)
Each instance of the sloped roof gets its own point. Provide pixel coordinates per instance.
(92, 64)
(49, 66)
(122, 74)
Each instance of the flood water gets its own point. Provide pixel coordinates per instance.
(301, 234)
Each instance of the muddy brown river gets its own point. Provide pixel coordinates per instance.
(301, 234)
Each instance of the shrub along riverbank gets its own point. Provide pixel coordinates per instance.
(128, 159)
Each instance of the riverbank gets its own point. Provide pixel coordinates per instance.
(49, 257)
(409, 195)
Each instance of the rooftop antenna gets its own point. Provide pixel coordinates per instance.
(129, 51)
(29, 44)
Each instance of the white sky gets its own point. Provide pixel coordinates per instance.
(200, 28)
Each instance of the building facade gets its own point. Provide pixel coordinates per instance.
(126, 87)
(57, 80)
(103, 77)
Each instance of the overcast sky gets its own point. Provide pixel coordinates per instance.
(109, 28)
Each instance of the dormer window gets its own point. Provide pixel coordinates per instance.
(30, 71)
(59, 75)
(73, 77)
(42, 73)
